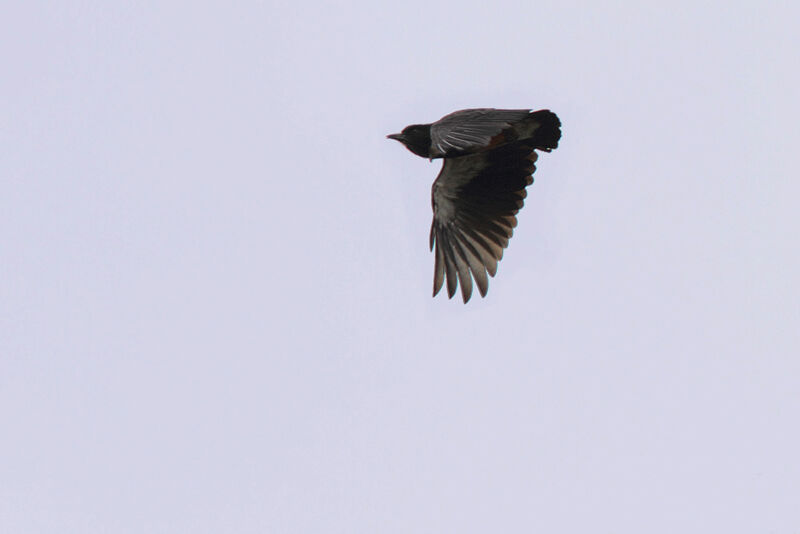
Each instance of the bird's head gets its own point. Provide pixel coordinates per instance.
(416, 138)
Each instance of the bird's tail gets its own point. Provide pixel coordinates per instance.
(545, 129)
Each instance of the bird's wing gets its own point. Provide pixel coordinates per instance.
(475, 201)
(471, 129)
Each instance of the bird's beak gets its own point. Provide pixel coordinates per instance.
(396, 137)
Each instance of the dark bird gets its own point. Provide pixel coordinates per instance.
(489, 157)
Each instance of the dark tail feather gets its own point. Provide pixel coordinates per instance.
(548, 133)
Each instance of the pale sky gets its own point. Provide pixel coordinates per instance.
(215, 309)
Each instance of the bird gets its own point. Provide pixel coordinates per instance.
(489, 158)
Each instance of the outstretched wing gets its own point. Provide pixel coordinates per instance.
(475, 201)
(471, 129)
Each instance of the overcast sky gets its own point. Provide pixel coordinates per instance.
(215, 282)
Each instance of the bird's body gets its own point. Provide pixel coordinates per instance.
(489, 157)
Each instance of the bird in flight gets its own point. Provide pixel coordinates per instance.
(489, 157)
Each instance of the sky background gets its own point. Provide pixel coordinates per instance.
(215, 310)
